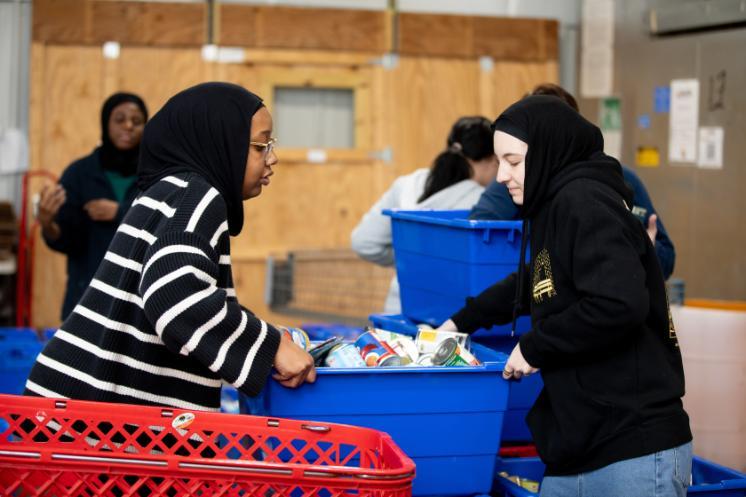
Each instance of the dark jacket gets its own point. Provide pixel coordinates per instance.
(601, 329)
(495, 203)
(83, 240)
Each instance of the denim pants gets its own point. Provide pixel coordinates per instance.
(662, 474)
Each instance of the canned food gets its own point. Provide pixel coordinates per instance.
(450, 353)
(403, 345)
(530, 485)
(344, 355)
(425, 360)
(298, 336)
(429, 339)
(376, 352)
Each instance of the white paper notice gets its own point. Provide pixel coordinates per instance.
(612, 142)
(597, 48)
(683, 121)
(711, 147)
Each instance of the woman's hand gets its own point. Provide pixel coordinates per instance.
(293, 364)
(50, 201)
(102, 209)
(448, 326)
(517, 367)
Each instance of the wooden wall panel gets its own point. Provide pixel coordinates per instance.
(60, 21)
(158, 73)
(514, 39)
(427, 95)
(303, 28)
(508, 82)
(467, 36)
(138, 23)
(149, 23)
(440, 35)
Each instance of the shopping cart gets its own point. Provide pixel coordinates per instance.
(79, 448)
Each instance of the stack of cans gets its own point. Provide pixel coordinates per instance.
(382, 348)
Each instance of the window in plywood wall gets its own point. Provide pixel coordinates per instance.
(315, 117)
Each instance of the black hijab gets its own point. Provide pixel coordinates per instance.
(204, 129)
(123, 162)
(562, 145)
(558, 138)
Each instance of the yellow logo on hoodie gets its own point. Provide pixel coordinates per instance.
(543, 281)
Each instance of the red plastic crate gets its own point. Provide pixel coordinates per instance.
(78, 448)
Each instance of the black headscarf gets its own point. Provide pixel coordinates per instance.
(562, 145)
(557, 137)
(204, 129)
(123, 162)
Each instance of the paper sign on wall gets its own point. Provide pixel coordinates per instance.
(597, 48)
(610, 121)
(711, 147)
(683, 120)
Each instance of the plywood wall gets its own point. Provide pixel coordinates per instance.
(409, 108)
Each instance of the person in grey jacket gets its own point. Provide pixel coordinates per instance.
(456, 180)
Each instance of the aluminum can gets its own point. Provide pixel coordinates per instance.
(450, 353)
(298, 336)
(425, 360)
(376, 352)
(344, 355)
(428, 340)
(403, 345)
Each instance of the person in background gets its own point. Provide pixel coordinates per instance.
(455, 180)
(80, 215)
(609, 420)
(495, 202)
(160, 323)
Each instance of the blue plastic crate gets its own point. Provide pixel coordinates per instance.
(708, 478)
(18, 350)
(322, 331)
(523, 393)
(448, 419)
(442, 257)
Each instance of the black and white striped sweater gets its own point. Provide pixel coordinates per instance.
(160, 323)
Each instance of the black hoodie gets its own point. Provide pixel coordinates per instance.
(601, 329)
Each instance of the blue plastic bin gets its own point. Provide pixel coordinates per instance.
(708, 478)
(523, 393)
(448, 419)
(18, 350)
(322, 331)
(442, 257)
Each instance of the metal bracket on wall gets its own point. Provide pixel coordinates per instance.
(385, 154)
(389, 61)
(701, 15)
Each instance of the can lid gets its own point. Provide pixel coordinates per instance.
(390, 360)
(445, 351)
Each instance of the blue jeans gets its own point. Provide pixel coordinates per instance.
(662, 474)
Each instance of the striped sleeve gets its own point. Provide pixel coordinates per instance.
(193, 316)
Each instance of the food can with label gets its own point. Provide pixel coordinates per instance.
(429, 339)
(344, 355)
(450, 353)
(297, 335)
(376, 352)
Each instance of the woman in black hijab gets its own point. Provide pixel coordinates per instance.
(160, 323)
(610, 412)
(80, 215)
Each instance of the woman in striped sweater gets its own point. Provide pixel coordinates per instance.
(160, 323)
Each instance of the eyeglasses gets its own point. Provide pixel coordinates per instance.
(268, 147)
